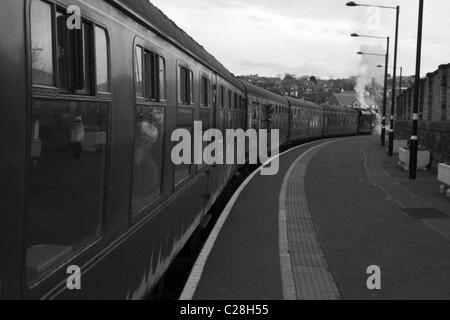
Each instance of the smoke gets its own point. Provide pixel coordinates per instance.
(368, 71)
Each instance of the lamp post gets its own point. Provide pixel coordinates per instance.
(394, 80)
(414, 136)
(383, 119)
(400, 79)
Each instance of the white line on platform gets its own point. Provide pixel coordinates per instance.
(197, 271)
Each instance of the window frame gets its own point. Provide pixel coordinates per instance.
(189, 105)
(58, 271)
(222, 97)
(54, 47)
(146, 103)
(108, 56)
(148, 208)
(150, 93)
(91, 90)
(55, 89)
(189, 96)
(205, 92)
(162, 99)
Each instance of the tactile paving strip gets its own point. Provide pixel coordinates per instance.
(313, 281)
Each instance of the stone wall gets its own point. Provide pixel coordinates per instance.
(434, 136)
(434, 114)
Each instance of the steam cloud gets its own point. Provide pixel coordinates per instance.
(368, 70)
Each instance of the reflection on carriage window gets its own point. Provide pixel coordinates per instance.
(101, 59)
(67, 55)
(147, 157)
(185, 120)
(41, 41)
(138, 72)
(150, 75)
(67, 179)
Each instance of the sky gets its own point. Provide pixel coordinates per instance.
(311, 37)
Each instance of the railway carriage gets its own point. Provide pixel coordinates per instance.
(266, 109)
(306, 120)
(85, 137)
(340, 121)
(86, 145)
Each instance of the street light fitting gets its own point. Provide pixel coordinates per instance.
(354, 4)
(371, 54)
(381, 66)
(367, 36)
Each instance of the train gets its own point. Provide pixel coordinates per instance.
(90, 92)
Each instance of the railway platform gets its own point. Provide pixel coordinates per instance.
(336, 208)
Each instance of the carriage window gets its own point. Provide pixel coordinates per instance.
(206, 88)
(191, 86)
(73, 51)
(66, 182)
(150, 75)
(148, 152)
(138, 71)
(185, 120)
(42, 43)
(101, 59)
(74, 56)
(222, 96)
(62, 51)
(162, 78)
(230, 99)
(185, 85)
(85, 87)
(219, 97)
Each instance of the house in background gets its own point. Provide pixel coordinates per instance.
(346, 99)
(349, 99)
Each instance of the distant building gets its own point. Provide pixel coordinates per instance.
(314, 89)
(346, 99)
(349, 99)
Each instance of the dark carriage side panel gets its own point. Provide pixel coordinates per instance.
(69, 217)
(13, 102)
(265, 109)
(340, 121)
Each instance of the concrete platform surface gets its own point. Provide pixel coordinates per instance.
(336, 208)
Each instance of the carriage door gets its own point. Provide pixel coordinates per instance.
(69, 128)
